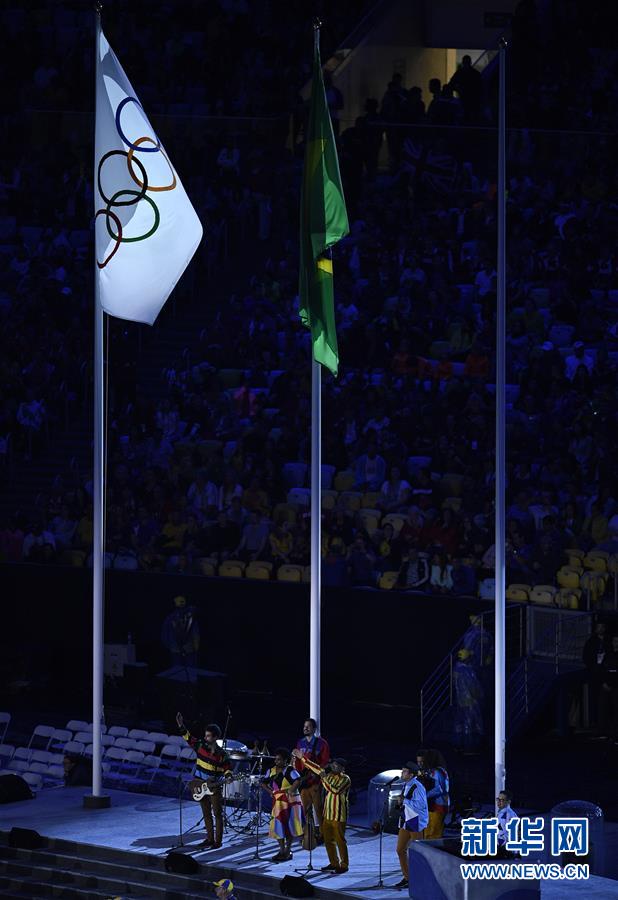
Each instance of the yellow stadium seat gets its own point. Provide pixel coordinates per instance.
(518, 593)
(543, 595)
(593, 584)
(369, 499)
(596, 560)
(344, 480)
(259, 571)
(232, 568)
(568, 577)
(329, 499)
(568, 598)
(206, 566)
(451, 484)
(350, 500)
(388, 580)
(289, 572)
(575, 556)
(72, 557)
(395, 520)
(284, 512)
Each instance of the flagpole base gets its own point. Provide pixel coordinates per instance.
(97, 801)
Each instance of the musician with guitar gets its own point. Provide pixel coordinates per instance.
(287, 819)
(212, 768)
(314, 748)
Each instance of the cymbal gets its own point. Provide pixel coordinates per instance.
(261, 756)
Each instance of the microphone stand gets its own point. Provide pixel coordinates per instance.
(382, 819)
(224, 746)
(309, 867)
(258, 820)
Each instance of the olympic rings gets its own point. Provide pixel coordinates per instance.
(144, 185)
(149, 187)
(106, 213)
(141, 237)
(121, 106)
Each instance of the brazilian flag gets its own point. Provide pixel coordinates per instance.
(323, 222)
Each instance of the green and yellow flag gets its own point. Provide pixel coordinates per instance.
(323, 222)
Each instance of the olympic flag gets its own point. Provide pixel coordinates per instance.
(146, 230)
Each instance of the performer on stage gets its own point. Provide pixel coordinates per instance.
(287, 818)
(431, 762)
(314, 748)
(414, 817)
(212, 766)
(335, 813)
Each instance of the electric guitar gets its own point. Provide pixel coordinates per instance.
(209, 787)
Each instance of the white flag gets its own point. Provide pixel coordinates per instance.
(146, 230)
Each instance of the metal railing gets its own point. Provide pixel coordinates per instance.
(437, 692)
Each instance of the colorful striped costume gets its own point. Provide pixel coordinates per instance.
(287, 818)
(337, 790)
(209, 763)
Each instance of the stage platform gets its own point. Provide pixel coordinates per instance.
(136, 832)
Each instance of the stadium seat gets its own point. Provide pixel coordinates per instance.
(206, 565)
(568, 598)
(388, 580)
(75, 725)
(350, 500)
(145, 746)
(34, 781)
(41, 737)
(294, 474)
(232, 568)
(518, 593)
(119, 731)
(138, 734)
(568, 577)
(543, 595)
(259, 571)
(596, 560)
(59, 738)
(370, 499)
(327, 475)
(593, 585)
(299, 497)
(125, 743)
(290, 573)
(284, 512)
(329, 499)
(344, 480)
(76, 747)
(395, 520)
(6, 754)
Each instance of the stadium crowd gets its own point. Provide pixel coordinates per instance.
(215, 472)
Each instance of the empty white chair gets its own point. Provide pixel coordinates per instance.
(41, 737)
(41, 756)
(6, 754)
(59, 738)
(85, 737)
(108, 740)
(18, 765)
(138, 734)
(157, 737)
(56, 759)
(38, 768)
(75, 725)
(169, 755)
(34, 781)
(5, 719)
(176, 739)
(125, 743)
(23, 753)
(118, 731)
(76, 747)
(56, 773)
(145, 746)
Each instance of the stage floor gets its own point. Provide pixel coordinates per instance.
(149, 825)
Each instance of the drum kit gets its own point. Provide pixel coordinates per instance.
(243, 811)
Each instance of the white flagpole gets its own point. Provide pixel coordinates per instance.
(97, 799)
(316, 541)
(500, 532)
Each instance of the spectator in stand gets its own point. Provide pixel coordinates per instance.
(254, 539)
(441, 581)
(463, 577)
(370, 470)
(468, 84)
(361, 564)
(34, 543)
(414, 571)
(281, 542)
(578, 358)
(394, 493)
